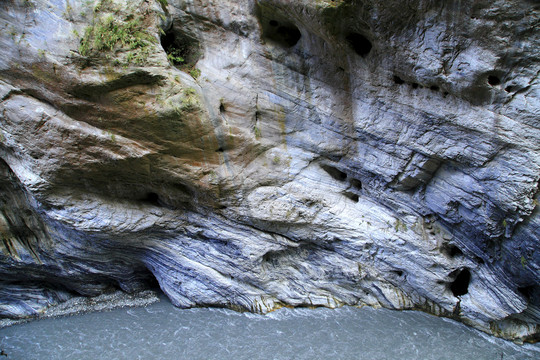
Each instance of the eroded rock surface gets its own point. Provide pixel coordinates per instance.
(258, 154)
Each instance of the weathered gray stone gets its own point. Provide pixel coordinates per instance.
(312, 153)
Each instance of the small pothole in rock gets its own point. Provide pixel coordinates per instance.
(494, 80)
(398, 80)
(334, 172)
(360, 44)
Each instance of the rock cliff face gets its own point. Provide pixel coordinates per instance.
(258, 154)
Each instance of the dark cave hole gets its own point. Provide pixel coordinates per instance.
(434, 88)
(151, 281)
(180, 48)
(283, 32)
(221, 108)
(360, 44)
(354, 197)
(509, 88)
(493, 80)
(398, 80)
(287, 35)
(526, 291)
(452, 251)
(398, 272)
(415, 85)
(220, 149)
(356, 183)
(334, 172)
(152, 198)
(460, 286)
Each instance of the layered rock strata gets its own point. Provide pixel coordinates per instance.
(258, 154)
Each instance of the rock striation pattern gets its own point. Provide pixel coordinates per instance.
(259, 154)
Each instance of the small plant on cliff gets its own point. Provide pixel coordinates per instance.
(175, 57)
(257, 132)
(110, 33)
(195, 73)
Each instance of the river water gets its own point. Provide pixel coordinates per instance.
(161, 331)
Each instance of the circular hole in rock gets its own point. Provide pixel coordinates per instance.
(493, 80)
(360, 44)
(434, 88)
(221, 108)
(415, 85)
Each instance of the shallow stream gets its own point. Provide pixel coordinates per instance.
(161, 331)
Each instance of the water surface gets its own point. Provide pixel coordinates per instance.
(161, 331)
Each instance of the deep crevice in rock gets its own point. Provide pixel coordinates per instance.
(152, 198)
(359, 43)
(460, 286)
(357, 184)
(526, 291)
(334, 172)
(354, 197)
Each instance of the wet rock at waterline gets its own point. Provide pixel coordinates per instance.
(270, 153)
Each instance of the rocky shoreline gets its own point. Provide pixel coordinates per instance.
(81, 305)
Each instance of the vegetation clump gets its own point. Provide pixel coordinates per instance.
(110, 33)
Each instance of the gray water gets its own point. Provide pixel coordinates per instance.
(161, 331)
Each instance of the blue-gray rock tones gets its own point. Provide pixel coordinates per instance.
(259, 154)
